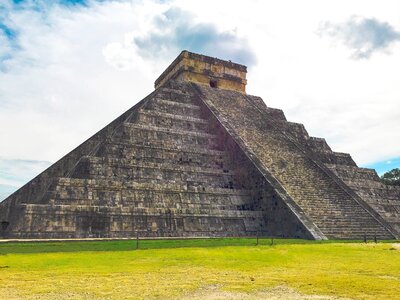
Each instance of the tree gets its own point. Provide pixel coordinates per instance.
(392, 177)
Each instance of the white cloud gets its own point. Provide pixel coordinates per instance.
(176, 29)
(58, 89)
(78, 67)
(121, 55)
(362, 35)
(15, 172)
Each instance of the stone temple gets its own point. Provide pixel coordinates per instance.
(200, 157)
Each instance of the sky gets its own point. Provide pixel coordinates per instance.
(68, 68)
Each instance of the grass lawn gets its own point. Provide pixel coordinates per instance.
(204, 269)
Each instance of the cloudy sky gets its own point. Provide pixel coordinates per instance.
(67, 68)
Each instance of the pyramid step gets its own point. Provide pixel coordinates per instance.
(359, 183)
(140, 198)
(173, 91)
(356, 231)
(334, 205)
(173, 107)
(149, 206)
(192, 160)
(353, 232)
(123, 169)
(147, 149)
(351, 236)
(145, 127)
(177, 104)
(115, 192)
(148, 211)
(353, 228)
(169, 137)
(172, 116)
(186, 155)
(356, 212)
(162, 166)
(171, 95)
(168, 186)
(361, 225)
(197, 184)
(170, 121)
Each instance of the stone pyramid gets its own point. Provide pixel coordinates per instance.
(200, 157)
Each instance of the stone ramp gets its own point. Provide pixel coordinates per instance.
(330, 207)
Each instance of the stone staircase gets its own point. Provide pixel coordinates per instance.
(279, 151)
(385, 199)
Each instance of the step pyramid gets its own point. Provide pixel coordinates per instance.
(200, 157)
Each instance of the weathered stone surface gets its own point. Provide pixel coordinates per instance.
(205, 70)
(198, 159)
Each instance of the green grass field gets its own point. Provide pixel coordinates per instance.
(200, 269)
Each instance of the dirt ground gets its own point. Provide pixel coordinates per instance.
(280, 292)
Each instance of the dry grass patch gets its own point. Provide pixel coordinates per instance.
(283, 271)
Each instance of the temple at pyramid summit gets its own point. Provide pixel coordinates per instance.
(200, 157)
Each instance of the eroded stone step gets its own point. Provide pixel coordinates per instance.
(174, 107)
(169, 137)
(113, 184)
(173, 91)
(150, 198)
(311, 205)
(361, 183)
(138, 209)
(162, 129)
(354, 173)
(178, 104)
(336, 158)
(149, 147)
(183, 160)
(165, 120)
(180, 156)
(354, 229)
(344, 227)
(177, 96)
(153, 113)
(358, 213)
(386, 191)
(120, 169)
(182, 209)
(353, 234)
(100, 161)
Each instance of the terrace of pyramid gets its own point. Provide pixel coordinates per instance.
(199, 157)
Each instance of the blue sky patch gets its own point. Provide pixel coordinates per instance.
(8, 32)
(14, 173)
(385, 165)
(64, 2)
(73, 2)
(6, 190)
